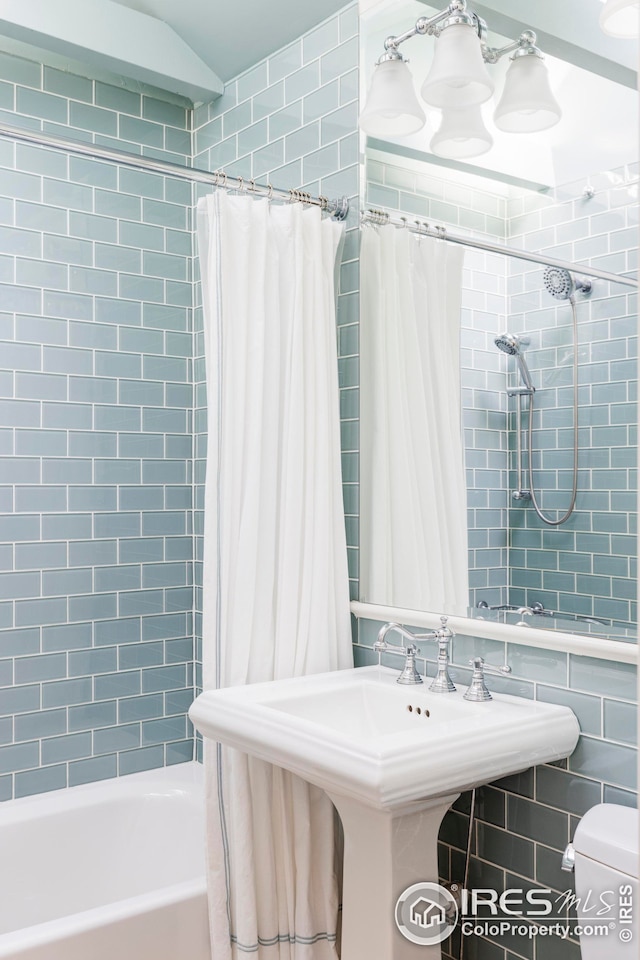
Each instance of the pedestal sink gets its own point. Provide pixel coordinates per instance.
(393, 759)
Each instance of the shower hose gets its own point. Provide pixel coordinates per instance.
(545, 519)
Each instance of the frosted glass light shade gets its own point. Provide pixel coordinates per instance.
(458, 76)
(392, 107)
(621, 18)
(527, 104)
(461, 135)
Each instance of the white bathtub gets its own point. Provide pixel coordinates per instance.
(107, 871)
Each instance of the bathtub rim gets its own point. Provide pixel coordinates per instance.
(74, 924)
(184, 779)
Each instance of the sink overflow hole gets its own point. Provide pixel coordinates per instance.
(418, 710)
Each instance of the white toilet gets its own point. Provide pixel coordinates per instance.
(605, 848)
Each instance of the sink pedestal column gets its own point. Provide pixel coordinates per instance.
(386, 851)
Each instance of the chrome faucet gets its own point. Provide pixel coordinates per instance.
(409, 673)
(442, 682)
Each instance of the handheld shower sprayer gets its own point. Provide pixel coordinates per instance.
(514, 346)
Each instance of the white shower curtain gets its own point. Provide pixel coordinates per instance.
(413, 509)
(276, 600)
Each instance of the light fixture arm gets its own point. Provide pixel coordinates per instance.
(523, 46)
(457, 12)
(424, 27)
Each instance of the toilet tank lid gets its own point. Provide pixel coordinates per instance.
(608, 833)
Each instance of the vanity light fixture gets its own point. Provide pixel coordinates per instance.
(392, 106)
(527, 103)
(458, 77)
(621, 18)
(461, 134)
(458, 83)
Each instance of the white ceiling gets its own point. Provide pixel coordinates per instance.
(232, 36)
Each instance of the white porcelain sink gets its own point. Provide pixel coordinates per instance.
(393, 759)
(359, 733)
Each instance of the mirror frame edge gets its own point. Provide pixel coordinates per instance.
(577, 644)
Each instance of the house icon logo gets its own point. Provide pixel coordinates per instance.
(426, 913)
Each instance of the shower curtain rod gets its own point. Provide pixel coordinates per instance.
(441, 233)
(338, 209)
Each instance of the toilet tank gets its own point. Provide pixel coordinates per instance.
(606, 870)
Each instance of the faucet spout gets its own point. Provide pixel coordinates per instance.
(382, 644)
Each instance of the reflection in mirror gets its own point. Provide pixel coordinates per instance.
(413, 529)
(474, 358)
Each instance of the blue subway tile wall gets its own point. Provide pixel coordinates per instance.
(525, 821)
(96, 633)
(589, 565)
(291, 120)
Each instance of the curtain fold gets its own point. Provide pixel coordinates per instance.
(413, 509)
(276, 599)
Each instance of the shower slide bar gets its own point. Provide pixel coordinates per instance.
(441, 233)
(338, 209)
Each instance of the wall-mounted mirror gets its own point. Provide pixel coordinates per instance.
(470, 451)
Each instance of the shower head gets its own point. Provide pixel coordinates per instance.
(562, 285)
(513, 346)
(559, 282)
(509, 344)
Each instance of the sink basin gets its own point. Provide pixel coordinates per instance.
(392, 759)
(359, 733)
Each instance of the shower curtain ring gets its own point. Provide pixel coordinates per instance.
(225, 179)
(252, 185)
(379, 216)
(270, 193)
(240, 184)
(324, 203)
(217, 174)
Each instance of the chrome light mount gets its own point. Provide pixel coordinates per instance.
(524, 46)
